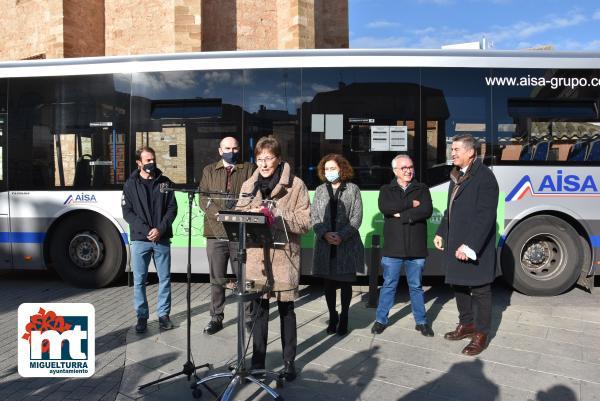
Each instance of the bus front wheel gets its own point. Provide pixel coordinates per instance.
(86, 250)
(542, 256)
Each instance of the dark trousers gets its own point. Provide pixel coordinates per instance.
(331, 287)
(474, 306)
(219, 254)
(287, 322)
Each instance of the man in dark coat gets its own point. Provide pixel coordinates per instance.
(467, 235)
(406, 205)
(150, 211)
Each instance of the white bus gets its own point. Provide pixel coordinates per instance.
(69, 129)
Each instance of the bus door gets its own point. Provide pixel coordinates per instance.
(5, 247)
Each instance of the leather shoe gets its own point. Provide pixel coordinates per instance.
(213, 327)
(141, 325)
(461, 331)
(424, 329)
(477, 345)
(377, 328)
(288, 371)
(164, 322)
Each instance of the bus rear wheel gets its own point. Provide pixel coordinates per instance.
(542, 256)
(86, 250)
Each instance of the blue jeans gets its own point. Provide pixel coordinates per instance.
(392, 267)
(141, 253)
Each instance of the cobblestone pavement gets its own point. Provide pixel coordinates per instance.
(542, 349)
(114, 318)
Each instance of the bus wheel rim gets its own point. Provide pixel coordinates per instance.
(86, 250)
(543, 257)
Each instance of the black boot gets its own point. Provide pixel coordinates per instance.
(288, 371)
(333, 322)
(342, 329)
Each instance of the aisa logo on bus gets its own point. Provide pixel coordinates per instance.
(557, 184)
(56, 340)
(80, 198)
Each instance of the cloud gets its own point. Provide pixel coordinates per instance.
(596, 15)
(576, 45)
(372, 42)
(382, 24)
(520, 34)
(156, 82)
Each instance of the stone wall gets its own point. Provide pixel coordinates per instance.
(31, 29)
(188, 33)
(331, 24)
(139, 26)
(76, 28)
(83, 28)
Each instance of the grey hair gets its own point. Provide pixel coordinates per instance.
(400, 156)
(467, 140)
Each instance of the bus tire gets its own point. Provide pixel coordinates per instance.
(86, 250)
(542, 256)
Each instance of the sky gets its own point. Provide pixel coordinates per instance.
(507, 24)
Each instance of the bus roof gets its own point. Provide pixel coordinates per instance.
(313, 58)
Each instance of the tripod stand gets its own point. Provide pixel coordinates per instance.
(240, 374)
(188, 366)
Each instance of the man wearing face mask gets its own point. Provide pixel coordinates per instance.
(150, 213)
(227, 176)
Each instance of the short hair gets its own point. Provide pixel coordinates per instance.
(401, 156)
(237, 143)
(268, 143)
(138, 153)
(467, 140)
(346, 170)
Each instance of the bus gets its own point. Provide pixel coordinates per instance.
(69, 129)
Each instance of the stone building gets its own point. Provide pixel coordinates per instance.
(81, 28)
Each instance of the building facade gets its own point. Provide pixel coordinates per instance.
(74, 28)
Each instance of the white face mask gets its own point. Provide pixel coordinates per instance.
(332, 176)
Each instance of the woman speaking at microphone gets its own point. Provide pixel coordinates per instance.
(277, 191)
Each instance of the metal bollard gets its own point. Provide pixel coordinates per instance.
(374, 272)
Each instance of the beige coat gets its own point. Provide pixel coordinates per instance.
(293, 205)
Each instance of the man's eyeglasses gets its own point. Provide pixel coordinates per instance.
(405, 169)
(265, 160)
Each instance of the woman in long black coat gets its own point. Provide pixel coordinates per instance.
(336, 216)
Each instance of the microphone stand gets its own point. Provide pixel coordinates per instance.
(188, 366)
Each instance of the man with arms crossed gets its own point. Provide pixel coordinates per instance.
(406, 205)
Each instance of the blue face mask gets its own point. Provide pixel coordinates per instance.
(332, 176)
(230, 157)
